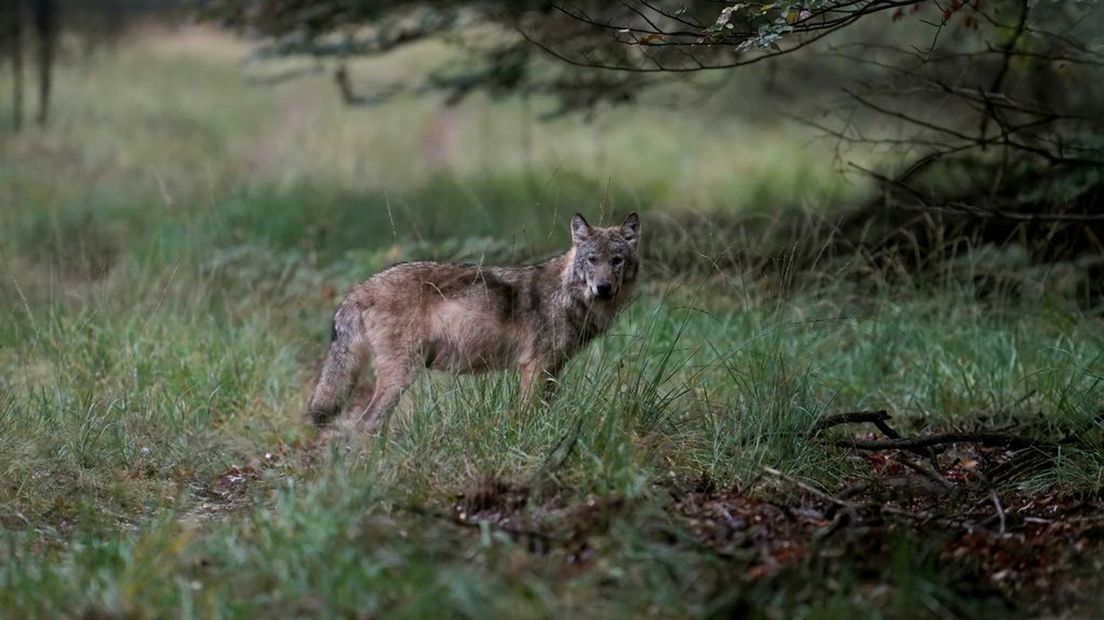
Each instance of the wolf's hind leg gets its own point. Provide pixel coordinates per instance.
(392, 379)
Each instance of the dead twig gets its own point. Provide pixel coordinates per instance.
(556, 459)
(928, 472)
(813, 490)
(1000, 512)
(537, 539)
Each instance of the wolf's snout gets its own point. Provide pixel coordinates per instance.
(604, 290)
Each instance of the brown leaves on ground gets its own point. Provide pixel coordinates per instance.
(553, 526)
(1036, 551)
(233, 488)
(767, 534)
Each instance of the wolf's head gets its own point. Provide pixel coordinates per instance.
(606, 259)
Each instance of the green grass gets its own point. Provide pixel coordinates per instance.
(171, 257)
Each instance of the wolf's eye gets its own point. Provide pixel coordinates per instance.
(592, 259)
(617, 260)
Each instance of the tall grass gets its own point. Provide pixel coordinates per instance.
(171, 255)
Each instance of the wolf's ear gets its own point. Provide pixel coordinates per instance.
(580, 230)
(630, 228)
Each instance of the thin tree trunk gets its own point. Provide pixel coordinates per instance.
(15, 51)
(46, 25)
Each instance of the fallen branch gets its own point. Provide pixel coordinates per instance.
(851, 417)
(877, 418)
(914, 443)
(854, 508)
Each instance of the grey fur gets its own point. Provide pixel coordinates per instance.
(473, 318)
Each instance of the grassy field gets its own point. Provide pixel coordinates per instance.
(173, 245)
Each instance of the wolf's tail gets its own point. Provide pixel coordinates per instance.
(341, 367)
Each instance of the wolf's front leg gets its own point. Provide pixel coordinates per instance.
(539, 382)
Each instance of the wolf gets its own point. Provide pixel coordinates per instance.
(472, 318)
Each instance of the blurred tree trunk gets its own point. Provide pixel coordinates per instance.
(45, 14)
(13, 34)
